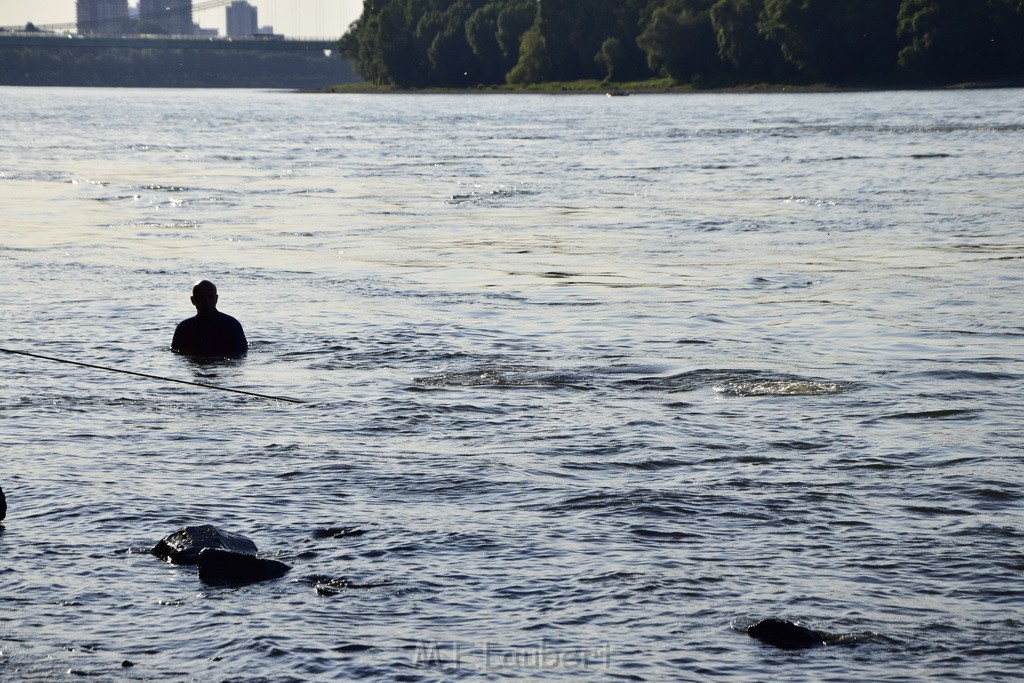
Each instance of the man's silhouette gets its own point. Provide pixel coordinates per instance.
(210, 332)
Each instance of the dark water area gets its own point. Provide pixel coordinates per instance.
(589, 384)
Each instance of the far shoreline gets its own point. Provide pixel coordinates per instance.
(659, 87)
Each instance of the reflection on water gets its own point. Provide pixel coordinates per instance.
(588, 385)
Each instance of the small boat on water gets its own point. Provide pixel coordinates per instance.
(617, 93)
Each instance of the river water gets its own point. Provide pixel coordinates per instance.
(589, 384)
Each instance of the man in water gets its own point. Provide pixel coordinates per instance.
(210, 332)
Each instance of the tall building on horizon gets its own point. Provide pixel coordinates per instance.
(241, 19)
(173, 16)
(101, 16)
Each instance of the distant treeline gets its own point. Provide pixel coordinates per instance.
(170, 68)
(464, 43)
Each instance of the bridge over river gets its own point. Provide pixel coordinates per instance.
(69, 59)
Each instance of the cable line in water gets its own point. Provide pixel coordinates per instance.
(148, 376)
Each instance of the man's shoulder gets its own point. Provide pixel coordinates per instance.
(227, 319)
(185, 334)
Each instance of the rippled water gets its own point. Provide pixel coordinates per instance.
(589, 384)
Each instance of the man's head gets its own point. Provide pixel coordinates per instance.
(204, 296)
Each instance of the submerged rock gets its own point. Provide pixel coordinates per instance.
(225, 567)
(789, 635)
(185, 545)
(338, 532)
(324, 585)
(332, 586)
(223, 558)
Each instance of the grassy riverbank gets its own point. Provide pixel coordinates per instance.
(584, 87)
(658, 86)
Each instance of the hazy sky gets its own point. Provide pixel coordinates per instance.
(299, 18)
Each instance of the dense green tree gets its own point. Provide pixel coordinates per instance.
(482, 36)
(1008, 36)
(624, 60)
(568, 27)
(575, 32)
(742, 46)
(452, 60)
(834, 40)
(948, 40)
(417, 43)
(534, 65)
(383, 44)
(613, 57)
(514, 20)
(679, 40)
(421, 65)
(494, 33)
(348, 44)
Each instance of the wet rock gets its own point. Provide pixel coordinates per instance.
(3, 505)
(185, 545)
(789, 635)
(226, 567)
(338, 532)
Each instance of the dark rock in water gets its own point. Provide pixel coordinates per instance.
(185, 545)
(223, 558)
(789, 635)
(3, 505)
(224, 567)
(338, 532)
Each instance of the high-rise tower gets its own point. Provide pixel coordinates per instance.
(101, 16)
(241, 19)
(173, 16)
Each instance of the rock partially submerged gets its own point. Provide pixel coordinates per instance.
(338, 532)
(324, 585)
(185, 545)
(225, 567)
(223, 558)
(3, 505)
(790, 635)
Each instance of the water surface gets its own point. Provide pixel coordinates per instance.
(600, 380)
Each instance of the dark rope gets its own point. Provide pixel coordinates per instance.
(143, 374)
